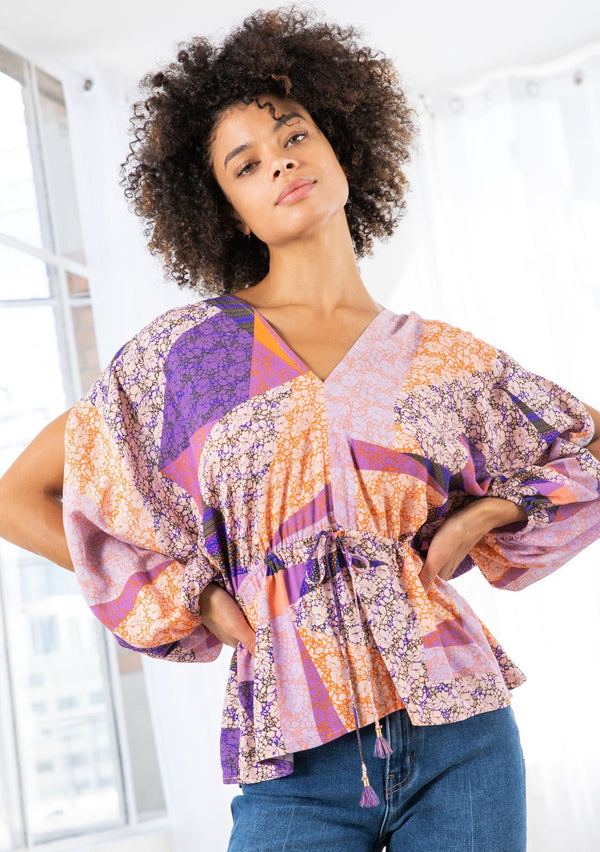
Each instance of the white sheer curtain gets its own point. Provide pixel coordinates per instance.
(505, 214)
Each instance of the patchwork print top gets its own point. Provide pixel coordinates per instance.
(207, 451)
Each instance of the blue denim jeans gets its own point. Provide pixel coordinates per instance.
(457, 787)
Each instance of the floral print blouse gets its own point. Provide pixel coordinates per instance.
(207, 451)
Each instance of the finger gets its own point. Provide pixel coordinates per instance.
(427, 576)
(239, 627)
(446, 573)
(427, 584)
(250, 643)
(237, 634)
(223, 616)
(246, 635)
(221, 634)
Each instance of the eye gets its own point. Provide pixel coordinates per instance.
(243, 169)
(300, 133)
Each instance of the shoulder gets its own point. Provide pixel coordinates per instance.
(138, 364)
(156, 338)
(451, 350)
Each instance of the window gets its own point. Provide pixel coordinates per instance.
(44, 634)
(70, 697)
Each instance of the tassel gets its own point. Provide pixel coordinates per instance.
(382, 747)
(368, 798)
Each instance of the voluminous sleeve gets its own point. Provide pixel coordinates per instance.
(528, 439)
(134, 533)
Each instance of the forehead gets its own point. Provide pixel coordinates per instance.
(241, 115)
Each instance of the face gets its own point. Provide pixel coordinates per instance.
(254, 156)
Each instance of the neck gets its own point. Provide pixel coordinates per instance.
(318, 271)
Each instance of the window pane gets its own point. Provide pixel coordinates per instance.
(19, 209)
(22, 276)
(67, 743)
(32, 390)
(59, 174)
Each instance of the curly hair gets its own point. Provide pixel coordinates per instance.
(352, 94)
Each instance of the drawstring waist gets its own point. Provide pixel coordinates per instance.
(319, 568)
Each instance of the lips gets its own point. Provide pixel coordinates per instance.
(292, 185)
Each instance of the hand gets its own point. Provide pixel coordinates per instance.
(223, 617)
(461, 531)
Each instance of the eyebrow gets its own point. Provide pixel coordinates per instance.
(278, 124)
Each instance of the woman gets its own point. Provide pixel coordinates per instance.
(291, 469)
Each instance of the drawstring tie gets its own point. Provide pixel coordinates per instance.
(318, 568)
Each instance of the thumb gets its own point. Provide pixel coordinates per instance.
(249, 642)
(246, 636)
(243, 631)
(428, 574)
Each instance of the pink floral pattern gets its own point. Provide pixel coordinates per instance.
(206, 451)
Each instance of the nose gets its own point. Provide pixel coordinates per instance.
(283, 166)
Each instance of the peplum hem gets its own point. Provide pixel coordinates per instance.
(300, 669)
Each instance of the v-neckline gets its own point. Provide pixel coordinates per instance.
(288, 349)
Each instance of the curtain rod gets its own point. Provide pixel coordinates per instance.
(545, 68)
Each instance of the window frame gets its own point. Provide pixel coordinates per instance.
(62, 303)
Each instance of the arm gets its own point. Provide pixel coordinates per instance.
(548, 443)
(465, 531)
(31, 496)
(31, 516)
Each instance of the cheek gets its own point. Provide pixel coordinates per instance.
(342, 188)
(336, 170)
(252, 205)
(241, 202)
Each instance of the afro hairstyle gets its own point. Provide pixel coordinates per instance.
(351, 92)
